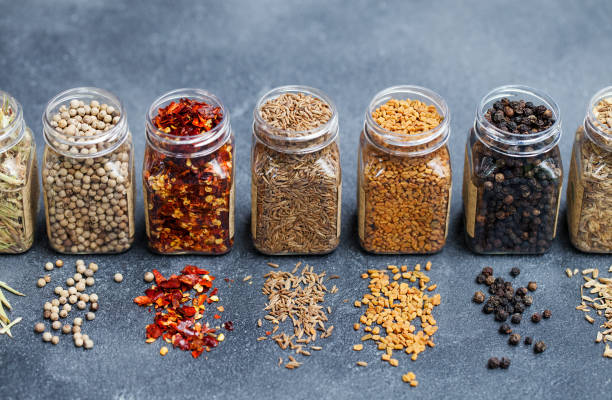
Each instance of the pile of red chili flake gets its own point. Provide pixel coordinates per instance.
(175, 320)
(188, 117)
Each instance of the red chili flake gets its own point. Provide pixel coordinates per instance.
(174, 321)
(217, 316)
(188, 200)
(268, 333)
(229, 326)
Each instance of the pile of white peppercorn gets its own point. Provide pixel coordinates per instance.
(59, 308)
(89, 200)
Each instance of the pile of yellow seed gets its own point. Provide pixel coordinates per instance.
(393, 305)
(407, 116)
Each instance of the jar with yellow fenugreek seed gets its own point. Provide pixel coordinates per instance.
(404, 175)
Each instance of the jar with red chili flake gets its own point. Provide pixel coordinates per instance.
(188, 174)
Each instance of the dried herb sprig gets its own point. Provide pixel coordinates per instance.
(5, 322)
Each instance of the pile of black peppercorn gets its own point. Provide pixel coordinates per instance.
(505, 302)
(516, 206)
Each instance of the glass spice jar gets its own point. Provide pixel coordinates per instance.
(88, 173)
(296, 184)
(188, 174)
(513, 173)
(18, 178)
(404, 174)
(589, 189)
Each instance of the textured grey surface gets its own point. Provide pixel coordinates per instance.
(239, 50)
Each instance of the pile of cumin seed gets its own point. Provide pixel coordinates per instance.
(297, 297)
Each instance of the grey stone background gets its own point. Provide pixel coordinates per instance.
(351, 50)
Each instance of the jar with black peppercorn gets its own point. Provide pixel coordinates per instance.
(513, 173)
(88, 173)
(589, 188)
(188, 174)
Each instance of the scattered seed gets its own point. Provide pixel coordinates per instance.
(362, 363)
(163, 351)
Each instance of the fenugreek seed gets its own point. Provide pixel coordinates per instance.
(357, 347)
(362, 363)
(394, 362)
(163, 351)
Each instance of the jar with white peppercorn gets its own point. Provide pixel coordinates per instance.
(88, 173)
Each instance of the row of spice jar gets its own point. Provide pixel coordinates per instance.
(511, 186)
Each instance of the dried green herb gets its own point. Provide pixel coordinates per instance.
(5, 323)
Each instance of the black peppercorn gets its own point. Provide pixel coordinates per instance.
(480, 278)
(521, 291)
(514, 339)
(539, 347)
(528, 300)
(489, 281)
(501, 315)
(532, 286)
(516, 318)
(479, 297)
(487, 271)
(514, 272)
(505, 329)
(536, 317)
(528, 340)
(547, 314)
(493, 363)
(504, 363)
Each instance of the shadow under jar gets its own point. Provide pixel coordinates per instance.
(404, 175)
(589, 189)
(18, 179)
(513, 173)
(188, 174)
(296, 177)
(88, 173)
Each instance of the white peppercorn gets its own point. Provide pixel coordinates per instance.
(41, 283)
(90, 281)
(39, 327)
(72, 299)
(93, 298)
(94, 307)
(77, 277)
(63, 300)
(63, 313)
(90, 316)
(55, 340)
(58, 290)
(67, 307)
(55, 302)
(89, 272)
(59, 263)
(66, 329)
(77, 321)
(89, 344)
(118, 278)
(87, 213)
(46, 336)
(93, 267)
(54, 316)
(149, 277)
(49, 266)
(76, 329)
(47, 278)
(81, 305)
(47, 306)
(78, 342)
(56, 325)
(80, 286)
(54, 309)
(84, 297)
(70, 282)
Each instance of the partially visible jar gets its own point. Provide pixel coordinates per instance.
(296, 180)
(404, 176)
(589, 189)
(18, 178)
(513, 173)
(188, 174)
(88, 173)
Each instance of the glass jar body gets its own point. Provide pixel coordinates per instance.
(589, 195)
(189, 201)
(295, 200)
(89, 201)
(511, 203)
(19, 190)
(404, 200)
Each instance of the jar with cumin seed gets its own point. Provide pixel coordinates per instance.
(296, 174)
(88, 173)
(589, 189)
(188, 174)
(513, 173)
(18, 178)
(404, 172)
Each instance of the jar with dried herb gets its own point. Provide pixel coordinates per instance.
(188, 174)
(404, 176)
(18, 178)
(589, 190)
(513, 173)
(88, 173)
(296, 174)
